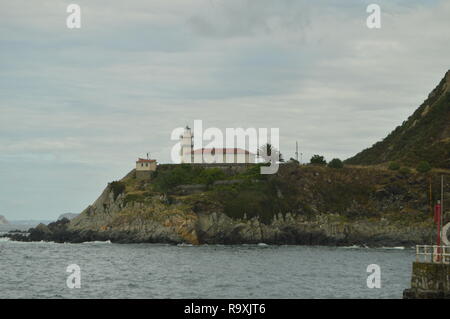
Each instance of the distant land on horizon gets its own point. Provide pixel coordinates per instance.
(30, 222)
(3, 220)
(69, 216)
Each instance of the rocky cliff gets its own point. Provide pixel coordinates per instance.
(298, 205)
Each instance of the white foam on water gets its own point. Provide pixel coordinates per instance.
(398, 247)
(352, 247)
(262, 244)
(28, 242)
(97, 242)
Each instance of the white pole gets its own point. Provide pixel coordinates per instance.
(442, 204)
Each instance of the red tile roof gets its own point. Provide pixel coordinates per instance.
(221, 150)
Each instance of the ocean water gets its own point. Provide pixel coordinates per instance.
(38, 270)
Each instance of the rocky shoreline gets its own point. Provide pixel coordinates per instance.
(286, 231)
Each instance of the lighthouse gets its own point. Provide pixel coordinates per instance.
(186, 143)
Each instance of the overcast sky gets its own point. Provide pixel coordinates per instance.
(78, 106)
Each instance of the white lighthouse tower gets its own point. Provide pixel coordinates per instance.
(187, 146)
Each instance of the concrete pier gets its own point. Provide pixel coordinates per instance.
(429, 281)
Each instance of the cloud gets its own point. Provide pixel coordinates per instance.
(234, 18)
(87, 102)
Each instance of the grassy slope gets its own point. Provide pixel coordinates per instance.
(349, 194)
(424, 136)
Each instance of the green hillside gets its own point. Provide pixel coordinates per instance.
(424, 136)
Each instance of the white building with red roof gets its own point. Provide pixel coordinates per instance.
(143, 164)
(211, 155)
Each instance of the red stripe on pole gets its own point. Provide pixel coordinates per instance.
(437, 213)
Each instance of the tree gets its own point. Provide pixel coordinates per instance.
(423, 167)
(266, 152)
(179, 175)
(336, 163)
(318, 159)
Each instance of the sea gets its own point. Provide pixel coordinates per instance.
(108, 270)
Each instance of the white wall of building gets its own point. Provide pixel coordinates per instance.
(221, 158)
(145, 166)
(187, 155)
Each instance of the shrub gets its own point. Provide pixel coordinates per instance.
(117, 188)
(209, 176)
(251, 200)
(336, 163)
(318, 159)
(423, 167)
(394, 166)
(404, 171)
(185, 174)
(253, 172)
(179, 175)
(134, 198)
